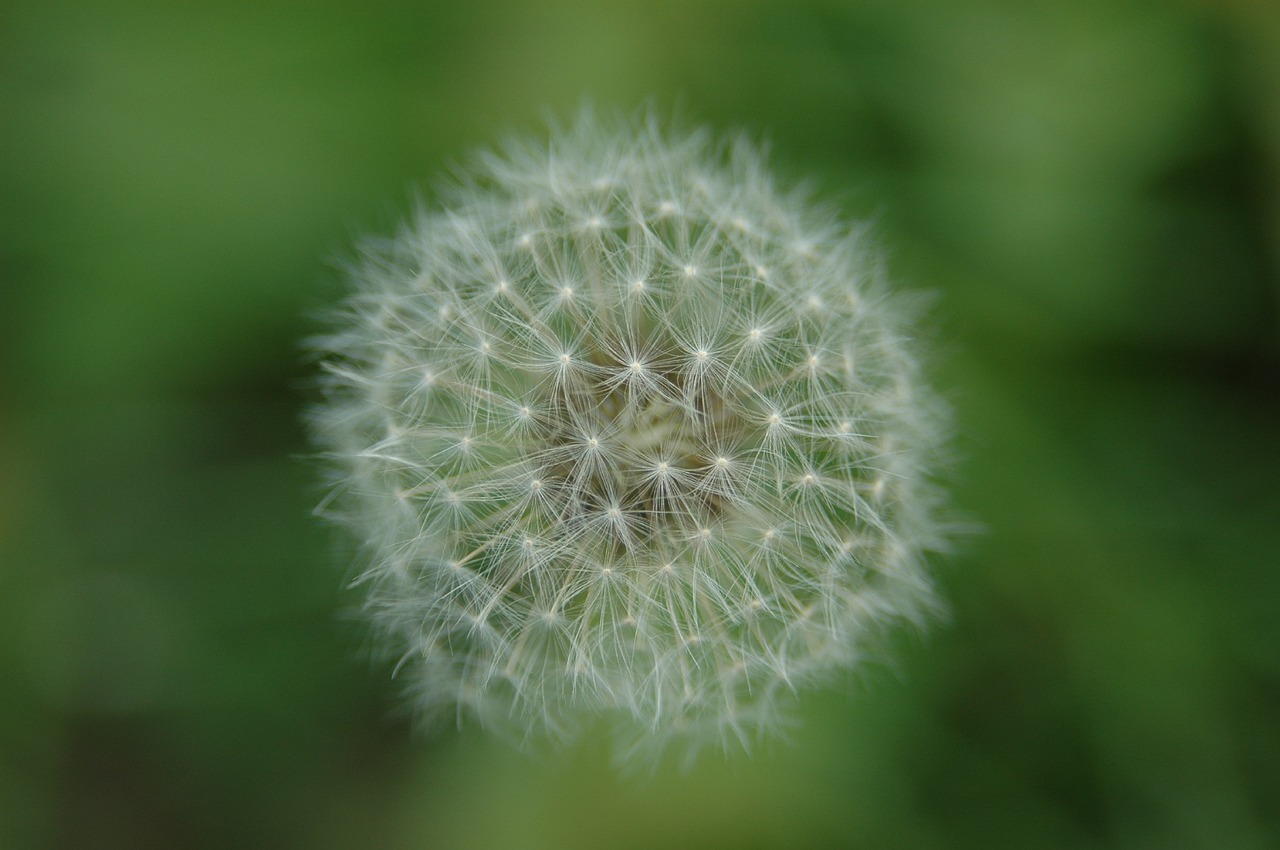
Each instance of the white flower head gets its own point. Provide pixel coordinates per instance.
(627, 432)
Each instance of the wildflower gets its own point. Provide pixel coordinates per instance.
(626, 431)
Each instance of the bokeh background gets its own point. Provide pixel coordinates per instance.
(1091, 188)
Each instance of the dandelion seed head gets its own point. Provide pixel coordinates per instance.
(636, 485)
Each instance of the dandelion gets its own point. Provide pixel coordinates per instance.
(627, 432)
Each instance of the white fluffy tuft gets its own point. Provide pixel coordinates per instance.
(625, 431)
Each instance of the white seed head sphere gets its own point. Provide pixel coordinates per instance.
(627, 432)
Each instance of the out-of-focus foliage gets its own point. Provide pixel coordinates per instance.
(1092, 189)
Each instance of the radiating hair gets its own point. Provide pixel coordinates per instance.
(627, 431)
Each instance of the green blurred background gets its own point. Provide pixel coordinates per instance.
(1092, 189)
